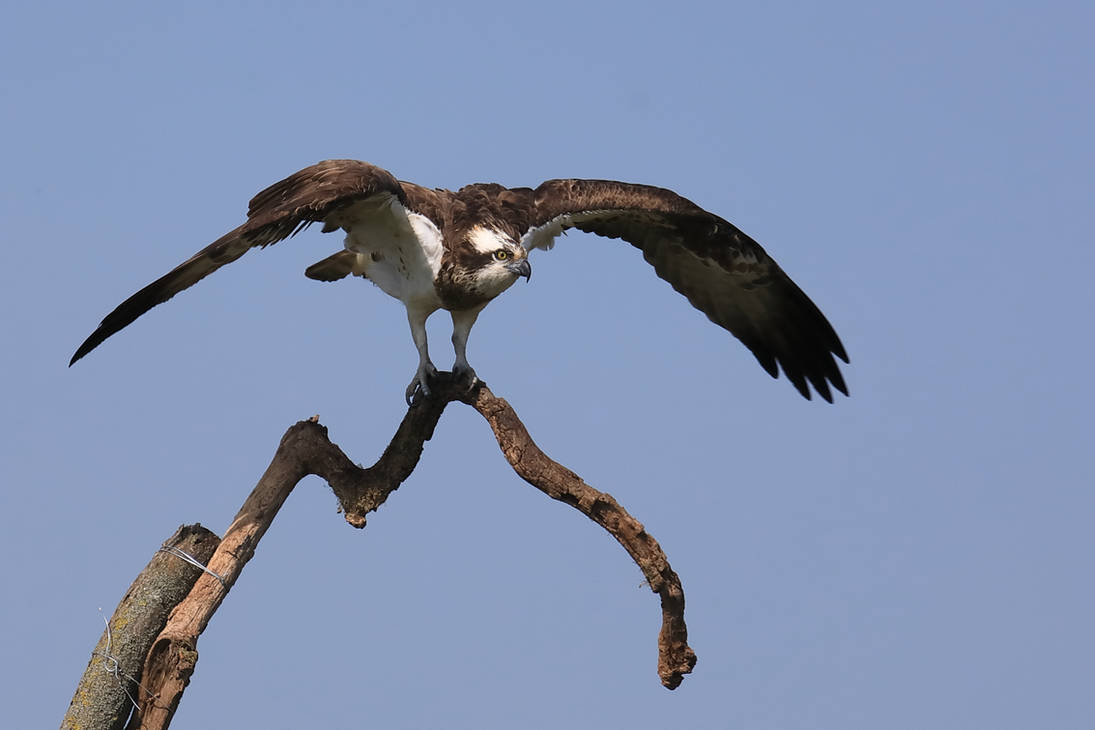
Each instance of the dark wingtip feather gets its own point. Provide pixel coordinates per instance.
(766, 361)
(122, 316)
(838, 349)
(822, 387)
(837, 379)
(82, 350)
(802, 388)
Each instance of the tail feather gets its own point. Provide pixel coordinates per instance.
(336, 266)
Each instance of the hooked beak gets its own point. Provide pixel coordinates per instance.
(521, 268)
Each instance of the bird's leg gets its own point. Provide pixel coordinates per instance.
(462, 322)
(426, 369)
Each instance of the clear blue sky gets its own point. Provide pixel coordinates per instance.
(916, 556)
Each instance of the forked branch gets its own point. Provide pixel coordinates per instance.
(305, 449)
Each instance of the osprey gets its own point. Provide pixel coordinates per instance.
(437, 249)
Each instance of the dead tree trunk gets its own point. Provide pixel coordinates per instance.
(305, 449)
(108, 691)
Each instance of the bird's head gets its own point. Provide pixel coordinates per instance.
(495, 261)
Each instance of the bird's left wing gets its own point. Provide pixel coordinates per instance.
(278, 212)
(723, 272)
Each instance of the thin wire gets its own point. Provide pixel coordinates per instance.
(187, 557)
(113, 666)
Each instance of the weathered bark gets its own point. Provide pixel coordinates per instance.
(110, 687)
(675, 657)
(305, 449)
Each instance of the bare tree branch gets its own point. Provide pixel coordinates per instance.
(305, 449)
(675, 657)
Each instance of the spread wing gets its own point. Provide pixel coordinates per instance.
(723, 273)
(278, 212)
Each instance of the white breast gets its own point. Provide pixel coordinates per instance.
(401, 250)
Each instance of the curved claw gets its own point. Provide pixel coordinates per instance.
(420, 384)
(466, 372)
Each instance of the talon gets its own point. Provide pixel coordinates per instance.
(467, 372)
(415, 389)
(420, 384)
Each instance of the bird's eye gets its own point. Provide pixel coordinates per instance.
(501, 254)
